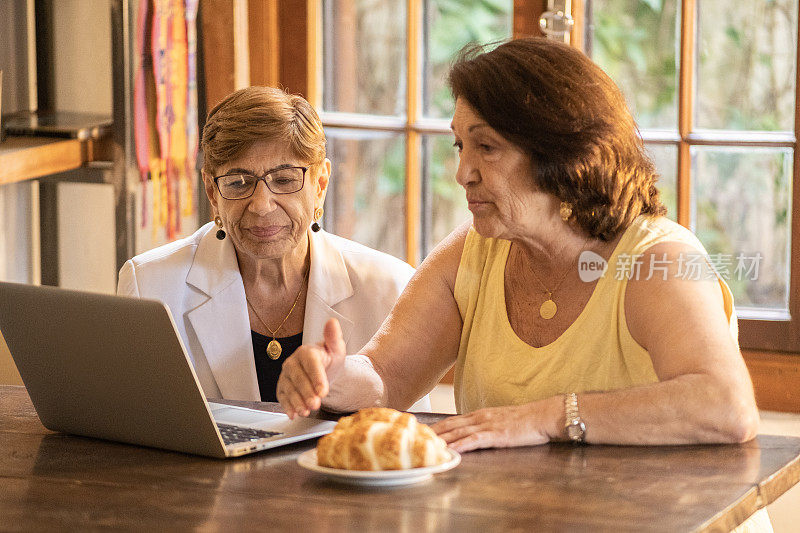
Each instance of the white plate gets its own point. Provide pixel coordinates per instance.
(377, 478)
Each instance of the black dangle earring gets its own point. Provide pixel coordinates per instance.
(220, 232)
(317, 216)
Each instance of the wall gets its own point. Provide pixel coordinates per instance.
(18, 232)
(83, 72)
(82, 40)
(14, 55)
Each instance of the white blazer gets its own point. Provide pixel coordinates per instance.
(198, 278)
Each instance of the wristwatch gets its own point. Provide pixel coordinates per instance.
(576, 429)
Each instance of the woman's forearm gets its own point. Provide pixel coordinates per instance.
(689, 409)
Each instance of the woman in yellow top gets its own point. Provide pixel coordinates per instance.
(558, 184)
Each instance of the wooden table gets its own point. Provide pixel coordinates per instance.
(53, 481)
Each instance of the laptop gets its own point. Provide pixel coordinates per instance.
(81, 126)
(115, 368)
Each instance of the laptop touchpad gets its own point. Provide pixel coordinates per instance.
(231, 415)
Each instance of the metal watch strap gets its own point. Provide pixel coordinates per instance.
(576, 429)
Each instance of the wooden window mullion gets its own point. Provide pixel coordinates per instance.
(413, 141)
(526, 17)
(577, 34)
(262, 30)
(794, 245)
(686, 111)
(297, 43)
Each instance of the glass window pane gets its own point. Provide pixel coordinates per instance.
(366, 195)
(634, 41)
(364, 56)
(448, 26)
(746, 64)
(665, 158)
(444, 204)
(742, 211)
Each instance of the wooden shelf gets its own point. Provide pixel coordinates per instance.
(27, 157)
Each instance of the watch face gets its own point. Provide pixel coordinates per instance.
(576, 430)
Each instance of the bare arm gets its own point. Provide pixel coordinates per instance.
(415, 346)
(704, 393)
(418, 342)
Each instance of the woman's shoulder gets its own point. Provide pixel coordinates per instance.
(648, 231)
(477, 252)
(163, 269)
(445, 258)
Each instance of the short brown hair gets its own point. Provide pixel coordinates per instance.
(256, 114)
(554, 103)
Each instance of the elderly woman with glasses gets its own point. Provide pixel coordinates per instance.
(262, 279)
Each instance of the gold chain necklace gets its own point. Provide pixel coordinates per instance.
(274, 347)
(549, 308)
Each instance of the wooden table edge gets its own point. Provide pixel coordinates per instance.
(758, 497)
(779, 483)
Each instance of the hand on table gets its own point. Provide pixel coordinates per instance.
(493, 427)
(306, 374)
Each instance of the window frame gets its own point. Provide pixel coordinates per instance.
(768, 332)
(413, 126)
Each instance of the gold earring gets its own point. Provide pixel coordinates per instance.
(317, 215)
(220, 232)
(565, 211)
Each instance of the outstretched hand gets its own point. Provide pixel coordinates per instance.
(306, 375)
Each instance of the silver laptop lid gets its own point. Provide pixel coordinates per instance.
(106, 366)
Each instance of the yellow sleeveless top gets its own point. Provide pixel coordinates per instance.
(596, 353)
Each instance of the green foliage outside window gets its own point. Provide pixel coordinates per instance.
(745, 81)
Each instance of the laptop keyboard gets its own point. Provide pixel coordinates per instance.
(234, 434)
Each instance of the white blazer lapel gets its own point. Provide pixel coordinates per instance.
(221, 323)
(328, 284)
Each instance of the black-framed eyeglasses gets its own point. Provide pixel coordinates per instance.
(239, 185)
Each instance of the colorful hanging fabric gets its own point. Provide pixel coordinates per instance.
(165, 107)
(178, 87)
(140, 118)
(192, 128)
(165, 73)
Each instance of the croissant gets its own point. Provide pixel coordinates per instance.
(381, 439)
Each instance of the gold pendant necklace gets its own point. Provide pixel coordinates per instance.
(274, 348)
(548, 309)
